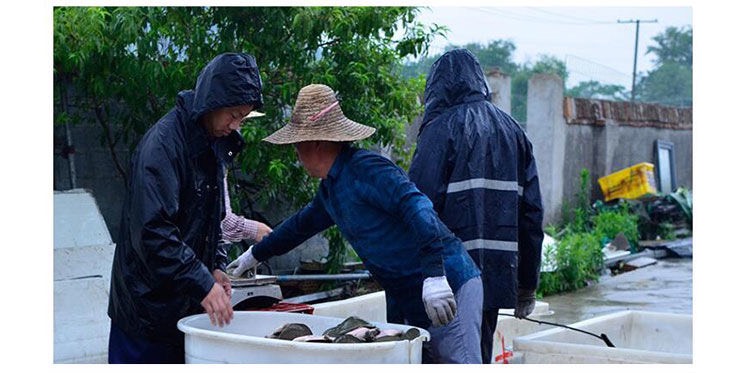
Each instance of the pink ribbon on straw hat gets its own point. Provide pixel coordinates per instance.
(323, 112)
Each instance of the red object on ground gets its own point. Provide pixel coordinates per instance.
(505, 354)
(289, 307)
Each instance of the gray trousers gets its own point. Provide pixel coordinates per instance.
(458, 342)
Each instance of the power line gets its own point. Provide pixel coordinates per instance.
(530, 18)
(589, 21)
(635, 55)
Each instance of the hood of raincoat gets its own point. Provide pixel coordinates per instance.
(477, 166)
(454, 79)
(230, 79)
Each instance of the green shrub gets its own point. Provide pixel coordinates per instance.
(577, 258)
(666, 231)
(608, 224)
(578, 218)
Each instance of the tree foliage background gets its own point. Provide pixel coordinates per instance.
(122, 67)
(126, 65)
(498, 54)
(669, 83)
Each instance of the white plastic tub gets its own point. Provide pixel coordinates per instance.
(243, 341)
(370, 307)
(509, 327)
(638, 336)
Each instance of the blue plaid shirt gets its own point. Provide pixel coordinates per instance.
(387, 220)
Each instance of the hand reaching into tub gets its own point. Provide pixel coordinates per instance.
(222, 279)
(218, 306)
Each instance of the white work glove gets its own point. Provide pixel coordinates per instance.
(438, 299)
(243, 263)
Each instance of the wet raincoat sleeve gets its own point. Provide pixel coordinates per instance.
(530, 234)
(220, 260)
(387, 186)
(307, 222)
(169, 261)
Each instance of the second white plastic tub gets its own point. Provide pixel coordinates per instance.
(243, 341)
(638, 336)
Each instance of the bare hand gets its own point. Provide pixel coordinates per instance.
(218, 306)
(223, 280)
(263, 231)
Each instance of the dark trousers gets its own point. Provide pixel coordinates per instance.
(489, 321)
(127, 349)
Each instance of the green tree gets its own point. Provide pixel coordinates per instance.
(671, 81)
(596, 90)
(546, 64)
(123, 66)
(495, 54)
(673, 45)
(107, 68)
(670, 84)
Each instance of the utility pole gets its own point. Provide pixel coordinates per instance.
(635, 56)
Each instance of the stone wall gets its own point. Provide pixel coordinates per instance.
(95, 170)
(601, 136)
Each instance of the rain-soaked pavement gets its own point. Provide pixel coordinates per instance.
(666, 286)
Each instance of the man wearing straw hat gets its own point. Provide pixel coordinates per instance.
(429, 279)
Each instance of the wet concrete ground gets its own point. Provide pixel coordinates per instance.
(666, 286)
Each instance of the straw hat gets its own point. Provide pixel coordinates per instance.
(317, 116)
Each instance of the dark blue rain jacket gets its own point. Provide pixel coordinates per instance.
(389, 223)
(477, 166)
(170, 230)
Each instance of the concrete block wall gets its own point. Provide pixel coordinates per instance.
(570, 134)
(83, 252)
(500, 87)
(94, 168)
(545, 128)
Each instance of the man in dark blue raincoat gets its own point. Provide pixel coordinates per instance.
(428, 277)
(168, 264)
(477, 166)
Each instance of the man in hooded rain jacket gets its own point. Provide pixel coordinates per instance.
(168, 264)
(476, 164)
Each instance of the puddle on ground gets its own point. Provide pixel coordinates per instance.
(666, 286)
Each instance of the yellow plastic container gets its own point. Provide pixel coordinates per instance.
(631, 182)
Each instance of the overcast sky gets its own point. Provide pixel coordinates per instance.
(589, 39)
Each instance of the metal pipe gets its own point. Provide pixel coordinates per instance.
(71, 158)
(68, 139)
(307, 298)
(327, 277)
